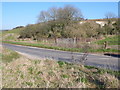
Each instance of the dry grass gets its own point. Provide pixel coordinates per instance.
(110, 80)
(38, 73)
(23, 72)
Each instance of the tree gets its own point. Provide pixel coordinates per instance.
(43, 17)
(42, 32)
(110, 15)
(52, 13)
(54, 30)
(75, 31)
(18, 27)
(53, 23)
(90, 28)
(117, 27)
(69, 14)
(58, 18)
(107, 29)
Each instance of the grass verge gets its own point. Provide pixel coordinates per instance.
(60, 48)
(28, 73)
(9, 55)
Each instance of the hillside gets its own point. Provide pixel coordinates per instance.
(112, 40)
(11, 34)
(97, 45)
(72, 38)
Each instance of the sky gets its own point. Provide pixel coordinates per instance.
(23, 13)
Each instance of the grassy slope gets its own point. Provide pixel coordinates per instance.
(27, 73)
(16, 31)
(9, 55)
(111, 40)
(11, 34)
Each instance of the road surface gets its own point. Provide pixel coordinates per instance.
(101, 61)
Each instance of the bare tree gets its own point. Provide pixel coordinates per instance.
(43, 17)
(110, 15)
(69, 13)
(53, 12)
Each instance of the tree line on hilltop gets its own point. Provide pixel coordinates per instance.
(65, 23)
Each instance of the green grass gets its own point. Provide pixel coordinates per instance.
(64, 76)
(9, 55)
(16, 31)
(11, 34)
(110, 40)
(60, 48)
(61, 64)
(105, 50)
(10, 38)
(44, 46)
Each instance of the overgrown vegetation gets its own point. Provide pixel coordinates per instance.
(27, 73)
(65, 23)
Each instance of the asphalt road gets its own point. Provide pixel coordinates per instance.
(101, 61)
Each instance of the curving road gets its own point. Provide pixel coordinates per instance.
(92, 59)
